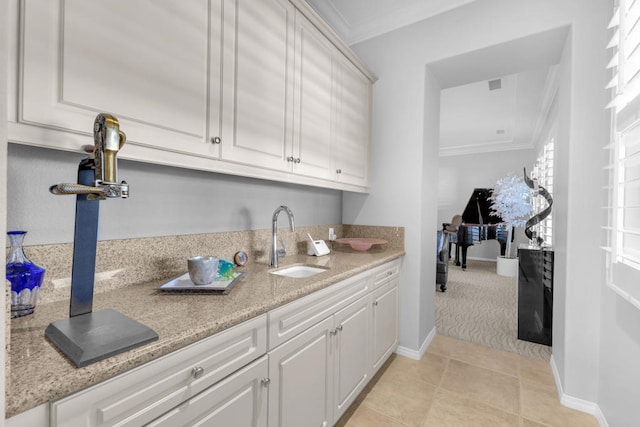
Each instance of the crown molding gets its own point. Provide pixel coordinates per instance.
(484, 147)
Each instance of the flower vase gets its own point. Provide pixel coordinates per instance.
(25, 277)
(507, 267)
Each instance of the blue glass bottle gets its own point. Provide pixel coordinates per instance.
(25, 277)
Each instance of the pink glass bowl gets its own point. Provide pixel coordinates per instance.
(360, 243)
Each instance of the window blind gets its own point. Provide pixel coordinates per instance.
(543, 172)
(622, 174)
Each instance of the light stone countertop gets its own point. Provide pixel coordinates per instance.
(40, 373)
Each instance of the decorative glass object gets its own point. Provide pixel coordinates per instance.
(226, 270)
(25, 277)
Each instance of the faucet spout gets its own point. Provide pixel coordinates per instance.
(274, 253)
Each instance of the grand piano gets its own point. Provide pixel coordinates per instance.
(478, 224)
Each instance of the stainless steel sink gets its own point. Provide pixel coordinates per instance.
(299, 271)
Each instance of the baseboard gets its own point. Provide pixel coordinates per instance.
(481, 259)
(574, 402)
(417, 354)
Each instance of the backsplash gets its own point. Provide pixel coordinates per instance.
(125, 262)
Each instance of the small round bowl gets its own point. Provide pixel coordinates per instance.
(360, 244)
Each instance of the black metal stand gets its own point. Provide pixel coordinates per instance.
(86, 336)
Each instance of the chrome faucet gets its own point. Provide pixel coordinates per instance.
(276, 253)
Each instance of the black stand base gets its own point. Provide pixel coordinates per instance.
(535, 295)
(94, 336)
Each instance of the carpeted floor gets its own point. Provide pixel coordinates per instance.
(481, 307)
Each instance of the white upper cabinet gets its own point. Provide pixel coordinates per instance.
(253, 88)
(257, 91)
(144, 61)
(351, 151)
(314, 112)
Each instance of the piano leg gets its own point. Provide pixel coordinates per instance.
(464, 256)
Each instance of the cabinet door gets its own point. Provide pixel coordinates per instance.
(301, 373)
(239, 400)
(143, 61)
(352, 353)
(257, 91)
(351, 155)
(385, 322)
(314, 106)
(148, 391)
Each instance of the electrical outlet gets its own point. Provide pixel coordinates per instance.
(332, 235)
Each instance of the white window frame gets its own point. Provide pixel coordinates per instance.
(543, 172)
(622, 190)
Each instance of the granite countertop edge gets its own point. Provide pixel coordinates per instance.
(39, 373)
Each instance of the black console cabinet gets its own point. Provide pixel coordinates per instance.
(535, 295)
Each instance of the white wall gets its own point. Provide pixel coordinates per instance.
(619, 390)
(429, 211)
(3, 181)
(399, 139)
(459, 175)
(396, 185)
(164, 200)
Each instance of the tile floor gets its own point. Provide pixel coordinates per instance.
(458, 384)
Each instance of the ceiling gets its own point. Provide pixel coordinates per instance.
(474, 119)
(358, 20)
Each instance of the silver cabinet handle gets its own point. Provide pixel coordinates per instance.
(216, 140)
(265, 381)
(197, 372)
(339, 171)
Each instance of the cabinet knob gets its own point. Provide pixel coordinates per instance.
(290, 159)
(265, 381)
(216, 140)
(297, 160)
(197, 372)
(338, 328)
(338, 170)
(375, 303)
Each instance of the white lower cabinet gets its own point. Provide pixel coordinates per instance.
(351, 355)
(300, 365)
(149, 391)
(319, 373)
(239, 400)
(385, 322)
(301, 374)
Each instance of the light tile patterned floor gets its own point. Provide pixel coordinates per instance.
(458, 384)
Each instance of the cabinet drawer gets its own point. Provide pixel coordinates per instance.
(289, 320)
(238, 400)
(143, 394)
(384, 272)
